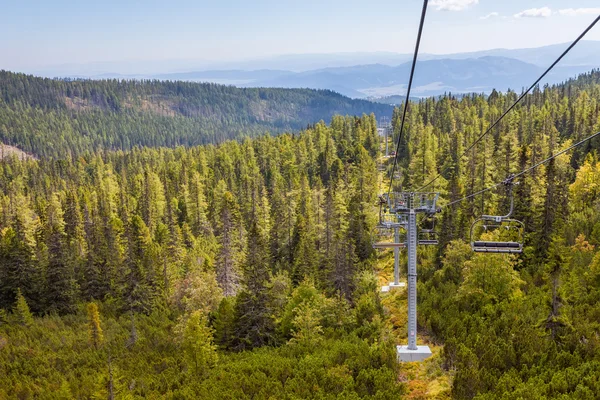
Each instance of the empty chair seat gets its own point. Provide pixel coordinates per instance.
(387, 245)
(497, 247)
(499, 227)
(497, 244)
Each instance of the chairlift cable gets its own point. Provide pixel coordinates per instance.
(517, 175)
(519, 99)
(410, 81)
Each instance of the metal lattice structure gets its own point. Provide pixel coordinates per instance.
(384, 128)
(399, 211)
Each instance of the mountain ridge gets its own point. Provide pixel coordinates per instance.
(365, 75)
(121, 114)
(587, 52)
(434, 77)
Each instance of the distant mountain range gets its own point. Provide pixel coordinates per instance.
(433, 77)
(385, 75)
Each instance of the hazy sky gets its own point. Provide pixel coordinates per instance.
(38, 33)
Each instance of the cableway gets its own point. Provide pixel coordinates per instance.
(525, 171)
(521, 97)
(500, 234)
(410, 81)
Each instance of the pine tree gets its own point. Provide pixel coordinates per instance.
(76, 244)
(21, 310)
(364, 193)
(17, 262)
(306, 257)
(196, 340)
(139, 286)
(153, 202)
(342, 254)
(133, 335)
(94, 327)
(196, 206)
(307, 331)
(74, 228)
(254, 325)
(229, 253)
(62, 287)
(280, 241)
(224, 323)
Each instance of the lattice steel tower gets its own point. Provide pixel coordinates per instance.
(405, 206)
(384, 128)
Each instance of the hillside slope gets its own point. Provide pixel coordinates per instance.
(55, 117)
(263, 249)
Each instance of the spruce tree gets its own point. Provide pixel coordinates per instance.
(254, 324)
(94, 327)
(62, 288)
(138, 284)
(229, 253)
(21, 310)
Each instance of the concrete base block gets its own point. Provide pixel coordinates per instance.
(405, 355)
(392, 286)
(398, 286)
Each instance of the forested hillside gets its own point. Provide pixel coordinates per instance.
(53, 117)
(245, 269)
(184, 256)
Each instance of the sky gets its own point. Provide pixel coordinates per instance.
(40, 33)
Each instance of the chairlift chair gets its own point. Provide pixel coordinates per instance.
(428, 236)
(387, 220)
(426, 202)
(384, 238)
(509, 231)
(397, 202)
(428, 240)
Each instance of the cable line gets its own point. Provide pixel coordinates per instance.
(519, 99)
(410, 81)
(512, 177)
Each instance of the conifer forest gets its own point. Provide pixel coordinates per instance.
(168, 240)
